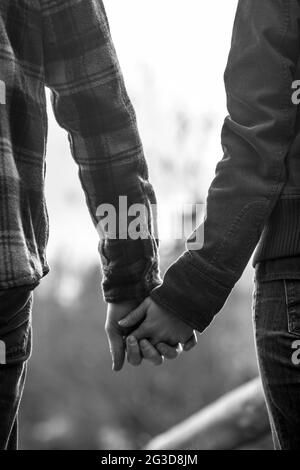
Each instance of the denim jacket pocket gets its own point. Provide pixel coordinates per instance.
(292, 296)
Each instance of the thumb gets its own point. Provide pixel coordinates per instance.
(117, 349)
(191, 343)
(136, 316)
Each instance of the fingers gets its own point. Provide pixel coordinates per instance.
(136, 351)
(141, 333)
(117, 348)
(169, 352)
(135, 317)
(150, 353)
(134, 355)
(191, 343)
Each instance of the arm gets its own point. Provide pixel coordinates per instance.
(90, 102)
(256, 139)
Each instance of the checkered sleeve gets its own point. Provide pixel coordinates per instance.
(90, 101)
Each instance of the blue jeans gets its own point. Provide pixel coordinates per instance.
(276, 308)
(15, 350)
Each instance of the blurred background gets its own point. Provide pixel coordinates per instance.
(173, 55)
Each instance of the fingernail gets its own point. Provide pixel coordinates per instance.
(122, 322)
(132, 340)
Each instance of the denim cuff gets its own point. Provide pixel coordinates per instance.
(191, 295)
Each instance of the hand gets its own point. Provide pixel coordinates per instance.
(135, 351)
(158, 326)
(115, 313)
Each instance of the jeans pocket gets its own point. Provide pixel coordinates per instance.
(18, 344)
(16, 330)
(292, 297)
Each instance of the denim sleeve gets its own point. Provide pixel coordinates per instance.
(256, 139)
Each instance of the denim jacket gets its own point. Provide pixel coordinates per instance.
(254, 198)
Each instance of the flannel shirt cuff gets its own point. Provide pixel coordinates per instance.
(191, 295)
(130, 283)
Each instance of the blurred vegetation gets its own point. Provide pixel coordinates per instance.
(74, 401)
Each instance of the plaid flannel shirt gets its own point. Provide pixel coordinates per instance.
(66, 45)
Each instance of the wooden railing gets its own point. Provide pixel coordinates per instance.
(235, 420)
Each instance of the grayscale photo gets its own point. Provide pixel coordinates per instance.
(149, 228)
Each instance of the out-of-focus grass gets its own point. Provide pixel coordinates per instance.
(73, 400)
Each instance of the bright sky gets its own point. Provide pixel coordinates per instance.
(185, 43)
(183, 47)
